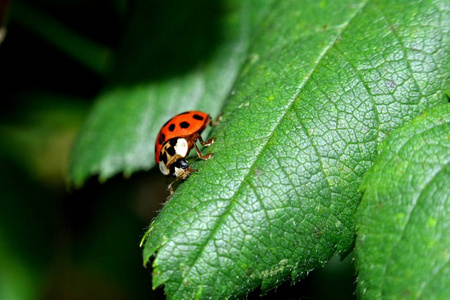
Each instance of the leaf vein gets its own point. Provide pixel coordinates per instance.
(403, 47)
(358, 74)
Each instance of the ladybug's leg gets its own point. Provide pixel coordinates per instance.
(200, 139)
(191, 170)
(217, 120)
(205, 157)
(170, 188)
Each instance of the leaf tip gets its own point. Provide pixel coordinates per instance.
(150, 243)
(102, 178)
(74, 181)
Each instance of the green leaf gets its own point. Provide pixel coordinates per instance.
(404, 218)
(170, 63)
(325, 83)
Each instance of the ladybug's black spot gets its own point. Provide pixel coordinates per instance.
(171, 151)
(162, 138)
(184, 125)
(167, 122)
(155, 148)
(163, 157)
(173, 142)
(172, 127)
(197, 117)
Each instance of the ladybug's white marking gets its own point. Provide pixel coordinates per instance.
(163, 168)
(181, 148)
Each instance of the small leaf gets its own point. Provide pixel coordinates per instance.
(325, 83)
(404, 218)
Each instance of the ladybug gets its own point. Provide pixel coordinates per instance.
(176, 139)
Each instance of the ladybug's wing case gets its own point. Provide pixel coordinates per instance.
(182, 125)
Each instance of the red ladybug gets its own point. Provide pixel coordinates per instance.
(176, 139)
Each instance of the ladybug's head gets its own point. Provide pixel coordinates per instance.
(181, 169)
(181, 165)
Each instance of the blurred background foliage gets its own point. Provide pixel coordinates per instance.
(61, 243)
